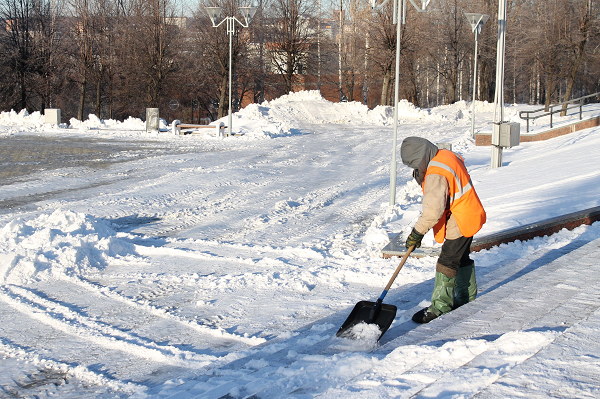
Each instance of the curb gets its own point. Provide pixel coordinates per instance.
(523, 233)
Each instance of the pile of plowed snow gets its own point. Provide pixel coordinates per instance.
(59, 245)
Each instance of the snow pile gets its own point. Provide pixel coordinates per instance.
(56, 245)
(462, 111)
(284, 116)
(407, 109)
(36, 121)
(280, 117)
(376, 236)
(93, 122)
(22, 119)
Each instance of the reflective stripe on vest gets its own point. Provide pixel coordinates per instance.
(464, 202)
(462, 190)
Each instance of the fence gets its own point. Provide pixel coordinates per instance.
(579, 103)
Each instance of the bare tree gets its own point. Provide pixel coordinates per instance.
(28, 45)
(582, 19)
(290, 35)
(355, 47)
(154, 46)
(83, 29)
(48, 80)
(549, 52)
(106, 14)
(450, 37)
(215, 44)
(119, 57)
(384, 50)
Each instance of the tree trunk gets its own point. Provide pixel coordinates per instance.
(81, 100)
(385, 89)
(350, 84)
(451, 89)
(23, 90)
(98, 98)
(223, 97)
(289, 73)
(573, 75)
(549, 90)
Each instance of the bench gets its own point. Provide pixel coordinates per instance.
(176, 127)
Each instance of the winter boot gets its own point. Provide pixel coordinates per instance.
(442, 298)
(466, 285)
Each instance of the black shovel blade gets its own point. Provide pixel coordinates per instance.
(362, 314)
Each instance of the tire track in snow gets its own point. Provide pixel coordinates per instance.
(258, 368)
(99, 332)
(72, 323)
(288, 358)
(274, 171)
(173, 210)
(301, 208)
(211, 334)
(325, 210)
(83, 375)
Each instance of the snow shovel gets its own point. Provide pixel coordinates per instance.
(374, 312)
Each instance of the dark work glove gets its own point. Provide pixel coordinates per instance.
(414, 239)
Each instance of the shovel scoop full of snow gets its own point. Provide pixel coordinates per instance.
(368, 312)
(374, 312)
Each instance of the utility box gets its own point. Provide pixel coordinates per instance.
(152, 120)
(506, 134)
(52, 116)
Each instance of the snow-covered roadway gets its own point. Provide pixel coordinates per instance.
(199, 267)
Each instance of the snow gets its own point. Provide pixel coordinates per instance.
(199, 266)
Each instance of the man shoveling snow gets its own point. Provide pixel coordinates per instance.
(452, 208)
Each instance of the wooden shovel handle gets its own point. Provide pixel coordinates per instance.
(408, 251)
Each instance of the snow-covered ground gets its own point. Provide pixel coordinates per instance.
(210, 267)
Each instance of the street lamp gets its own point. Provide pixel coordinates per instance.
(214, 14)
(504, 134)
(399, 18)
(477, 21)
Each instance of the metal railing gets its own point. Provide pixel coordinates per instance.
(579, 103)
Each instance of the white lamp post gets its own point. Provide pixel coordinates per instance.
(496, 161)
(504, 133)
(214, 13)
(477, 21)
(399, 18)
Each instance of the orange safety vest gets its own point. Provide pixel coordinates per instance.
(464, 202)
